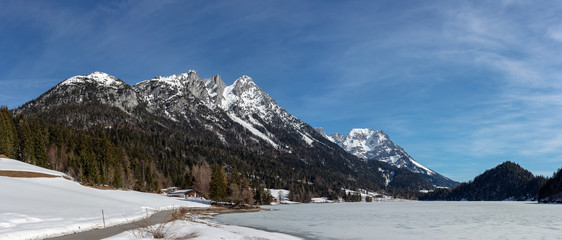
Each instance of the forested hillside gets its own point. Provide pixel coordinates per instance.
(147, 156)
(507, 181)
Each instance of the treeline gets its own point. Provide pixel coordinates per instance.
(551, 190)
(21, 139)
(91, 160)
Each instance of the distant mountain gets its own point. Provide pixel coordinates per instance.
(551, 190)
(172, 123)
(507, 181)
(372, 145)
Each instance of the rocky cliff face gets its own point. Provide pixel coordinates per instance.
(188, 97)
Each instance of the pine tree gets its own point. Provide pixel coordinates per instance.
(25, 147)
(8, 135)
(217, 188)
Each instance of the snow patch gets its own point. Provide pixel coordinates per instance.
(100, 78)
(253, 130)
(307, 139)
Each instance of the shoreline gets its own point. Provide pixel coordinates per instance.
(291, 235)
(225, 210)
(211, 213)
(201, 223)
(199, 218)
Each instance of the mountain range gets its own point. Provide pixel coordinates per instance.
(185, 120)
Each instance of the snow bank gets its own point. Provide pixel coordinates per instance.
(321, 200)
(42, 207)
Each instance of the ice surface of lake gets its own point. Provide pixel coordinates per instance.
(409, 220)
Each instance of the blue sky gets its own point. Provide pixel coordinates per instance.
(461, 85)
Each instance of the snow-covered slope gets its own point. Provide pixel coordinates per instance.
(246, 101)
(376, 145)
(40, 207)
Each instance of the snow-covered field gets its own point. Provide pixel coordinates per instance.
(40, 207)
(34, 208)
(409, 220)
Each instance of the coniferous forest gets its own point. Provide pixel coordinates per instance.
(551, 190)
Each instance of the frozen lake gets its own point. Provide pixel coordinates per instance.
(409, 220)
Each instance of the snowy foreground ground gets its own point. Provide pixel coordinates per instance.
(34, 208)
(203, 229)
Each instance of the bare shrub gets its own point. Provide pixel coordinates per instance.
(159, 230)
(179, 214)
(202, 178)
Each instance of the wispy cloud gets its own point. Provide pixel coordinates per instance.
(483, 80)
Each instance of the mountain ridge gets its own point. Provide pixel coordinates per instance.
(241, 121)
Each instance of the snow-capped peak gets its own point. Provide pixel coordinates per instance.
(376, 145)
(360, 141)
(244, 94)
(244, 80)
(99, 78)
